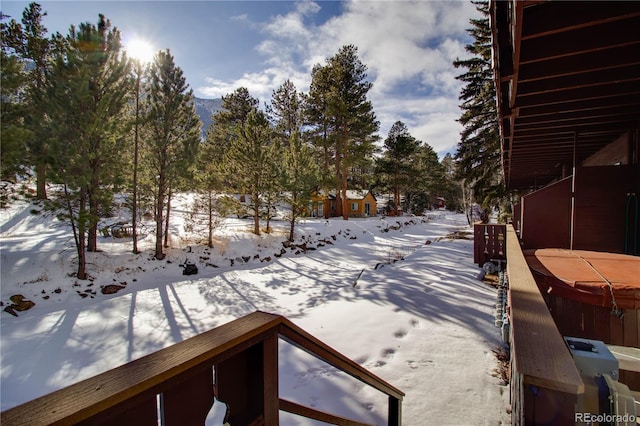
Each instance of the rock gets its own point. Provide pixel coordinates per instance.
(111, 288)
(11, 311)
(20, 304)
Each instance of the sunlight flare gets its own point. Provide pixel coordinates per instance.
(140, 50)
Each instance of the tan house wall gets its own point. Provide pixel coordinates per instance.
(323, 205)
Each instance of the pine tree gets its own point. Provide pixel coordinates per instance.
(87, 94)
(396, 164)
(343, 116)
(235, 109)
(299, 172)
(173, 136)
(28, 42)
(251, 160)
(452, 190)
(286, 111)
(13, 142)
(479, 152)
(317, 117)
(428, 181)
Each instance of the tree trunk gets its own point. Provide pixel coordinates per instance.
(210, 210)
(134, 206)
(396, 199)
(82, 256)
(92, 238)
(159, 254)
(166, 227)
(256, 214)
(345, 211)
(294, 197)
(41, 181)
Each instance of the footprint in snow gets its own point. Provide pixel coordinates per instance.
(388, 352)
(400, 333)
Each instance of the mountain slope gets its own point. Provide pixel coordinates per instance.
(205, 108)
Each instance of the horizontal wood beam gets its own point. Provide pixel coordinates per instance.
(311, 413)
(566, 16)
(305, 341)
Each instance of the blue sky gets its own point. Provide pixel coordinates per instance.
(408, 47)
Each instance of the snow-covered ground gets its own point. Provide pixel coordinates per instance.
(417, 316)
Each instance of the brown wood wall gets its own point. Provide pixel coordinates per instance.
(600, 206)
(546, 217)
(601, 199)
(577, 319)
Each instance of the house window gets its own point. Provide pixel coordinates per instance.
(354, 206)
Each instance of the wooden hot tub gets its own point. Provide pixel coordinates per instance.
(593, 295)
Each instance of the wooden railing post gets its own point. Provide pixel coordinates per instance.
(270, 390)
(188, 402)
(248, 383)
(395, 411)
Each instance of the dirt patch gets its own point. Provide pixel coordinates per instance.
(503, 369)
(457, 235)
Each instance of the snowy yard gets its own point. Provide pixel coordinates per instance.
(417, 316)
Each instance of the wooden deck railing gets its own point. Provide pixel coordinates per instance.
(178, 383)
(545, 383)
(488, 242)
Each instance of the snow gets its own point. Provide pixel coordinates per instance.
(418, 317)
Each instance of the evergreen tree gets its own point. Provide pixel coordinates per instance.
(173, 133)
(317, 117)
(28, 42)
(298, 168)
(452, 189)
(235, 109)
(300, 175)
(12, 111)
(207, 182)
(140, 70)
(396, 165)
(428, 182)
(87, 93)
(479, 152)
(286, 110)
(251, 160)
(343, 115)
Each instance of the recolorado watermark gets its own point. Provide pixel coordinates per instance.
(605, 418)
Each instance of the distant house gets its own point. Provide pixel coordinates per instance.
(438, 202)
(360, 203)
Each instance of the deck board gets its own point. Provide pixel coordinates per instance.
(541, 354)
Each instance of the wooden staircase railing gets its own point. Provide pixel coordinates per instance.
(178, 383)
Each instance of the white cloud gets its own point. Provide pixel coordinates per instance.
(240, 18)
(408, 47)
(260, 84)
